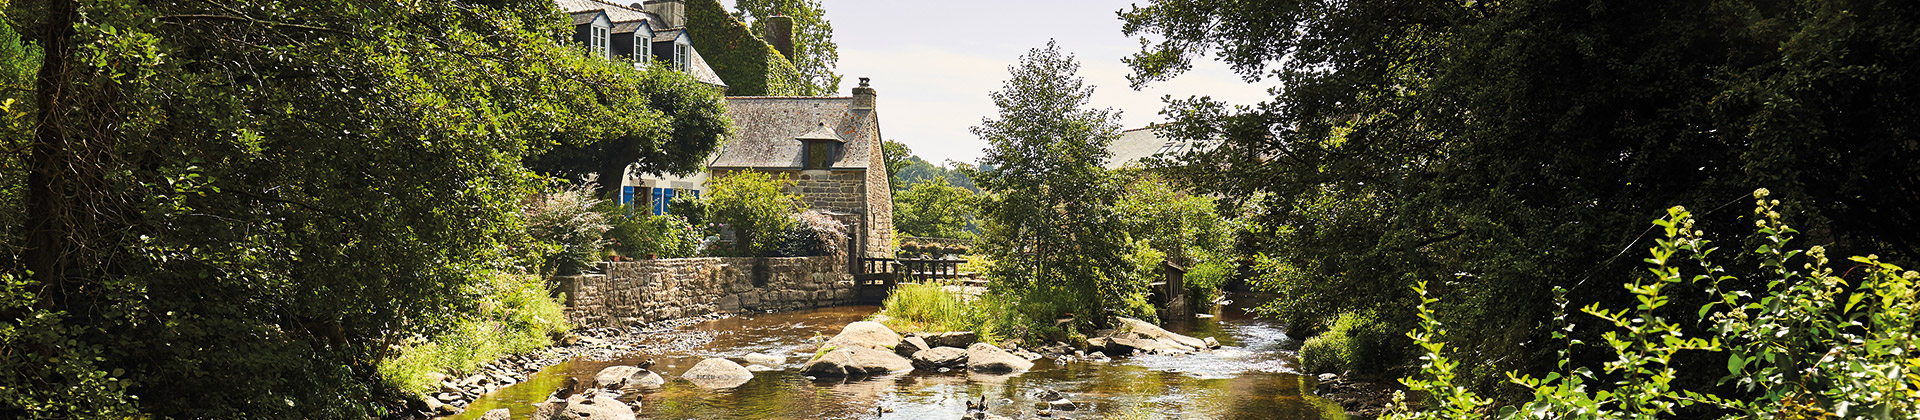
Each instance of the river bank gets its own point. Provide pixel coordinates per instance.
(1252, 375)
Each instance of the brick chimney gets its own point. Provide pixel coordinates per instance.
(863, 96)
(673, 13)
(779, 31)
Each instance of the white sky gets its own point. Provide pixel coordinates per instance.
(933, 63)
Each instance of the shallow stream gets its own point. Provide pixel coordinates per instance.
(1252, 376)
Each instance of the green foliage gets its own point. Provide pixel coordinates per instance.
(267, 198)
(1049, 219)
(516, 315)
(814, 53)
(663, 236)
(566, 229)
(898, 156)
(748, 65)
(1408, 140)
(753, 205)
(685, 120)
(1805, 345)
(1359, 342)
(934, 209)
(929, 307)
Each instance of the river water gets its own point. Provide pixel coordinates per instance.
(1252, 376)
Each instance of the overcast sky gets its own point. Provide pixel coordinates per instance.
(933, 63)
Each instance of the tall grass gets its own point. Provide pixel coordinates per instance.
(995, 317)
(516, 315)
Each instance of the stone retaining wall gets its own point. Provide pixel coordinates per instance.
(652, 290)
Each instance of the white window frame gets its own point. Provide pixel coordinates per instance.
(683, 56)
(599, 41)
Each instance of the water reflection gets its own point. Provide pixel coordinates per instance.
(1250, 377)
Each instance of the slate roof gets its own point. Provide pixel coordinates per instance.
(628, 27)
(615, 12)
(703, 72)
(583, 17)
(768, 128)
(1140, 143)
(667, 35)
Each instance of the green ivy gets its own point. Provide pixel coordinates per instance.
(748, 65)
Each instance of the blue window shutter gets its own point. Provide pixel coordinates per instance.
(666, 206)
(626, 196)
(659, 200)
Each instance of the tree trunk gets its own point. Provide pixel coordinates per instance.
(51, 212)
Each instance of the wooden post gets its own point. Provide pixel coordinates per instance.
(1177, 307)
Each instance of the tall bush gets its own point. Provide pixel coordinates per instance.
(662, 236)
(567, 229)
(1808, 343)
(753, 206)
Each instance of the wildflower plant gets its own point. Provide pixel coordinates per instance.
(1808, 344)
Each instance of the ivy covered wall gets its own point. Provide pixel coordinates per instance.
(748, 65)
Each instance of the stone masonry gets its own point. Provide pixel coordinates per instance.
(652, 290)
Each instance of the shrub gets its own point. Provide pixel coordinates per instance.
(1358, 341)
(516, 315)
(566, 229)
(1802, 343)
(814, 233)
(665, 236)
(752, 205)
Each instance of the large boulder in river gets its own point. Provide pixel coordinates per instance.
(940, 357)
(867, 334)
(497, 414)
(1137, 329)
(718, 373)
(614, 376)
(985, 358)
(590, 405)
(843, 361)
(910, 345)
(955, 339)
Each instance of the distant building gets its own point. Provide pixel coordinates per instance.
(829, 146)
(1133, 146)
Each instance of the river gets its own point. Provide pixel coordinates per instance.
(1252, 376)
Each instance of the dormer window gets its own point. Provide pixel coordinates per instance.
(682, 56)
(820, 148)
(643, 46)
(598, 41)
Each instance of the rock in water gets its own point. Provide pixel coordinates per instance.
(955, 339)
(614, 377)
(497, 414)
(594, 405)
(1148, 331)
(718, 373)
(856, 361)
(646, 379)
(939, 357)
(867, 334)
(767, 360)
(910, 345)
(985, 358)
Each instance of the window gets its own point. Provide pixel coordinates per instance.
(819, 155)
(599, 42)
(642, 47)
(682, 57)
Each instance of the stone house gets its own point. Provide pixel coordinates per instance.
(829, 147)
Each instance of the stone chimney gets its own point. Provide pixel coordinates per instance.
(673, 13)
(863, 97)
(779, 31)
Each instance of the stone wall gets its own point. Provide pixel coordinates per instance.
(652, 290)
(839, 191)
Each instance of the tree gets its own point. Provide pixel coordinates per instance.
(1050, 226)
(814, 52)
(1501, 149)
(686, 120)
(934, 208)
(265, 198)
(752, 205)
(898, 156)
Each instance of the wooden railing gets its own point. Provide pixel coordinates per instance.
(912, 268)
